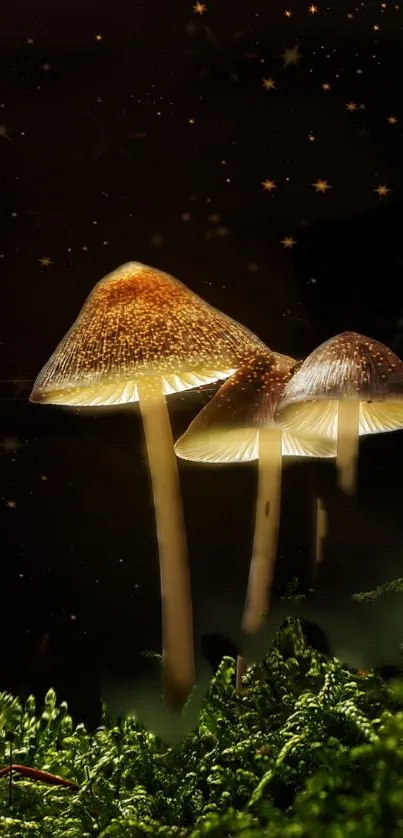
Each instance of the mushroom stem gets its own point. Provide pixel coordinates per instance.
(347, 444)
(320, 524)
(176, 602)
(266, 529)
(264, 553)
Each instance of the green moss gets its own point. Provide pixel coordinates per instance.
(310, 749)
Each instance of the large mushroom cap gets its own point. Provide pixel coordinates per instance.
(348, 366)
(227, 429)
(139, 321)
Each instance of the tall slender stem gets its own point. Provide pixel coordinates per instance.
(347, 444)
(177, 620)
(320, 525)
(265, 542)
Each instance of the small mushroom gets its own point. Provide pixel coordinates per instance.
(349, 386)
(140, 336)
(237, 426)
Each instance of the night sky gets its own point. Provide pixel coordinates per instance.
(253, 150)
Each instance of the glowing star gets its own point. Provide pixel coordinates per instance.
(321, 186)
(326, 86)
(392, 120)
(311, 138)
(98, 37)
(199, 8)
(4, 132)
(268, 185)
(313, 10)
(382, 191)
(291, 56)
(351, 106)
(269, 84)
(376, 28)
(287, 13)
(12, 504)
(288, 242)
(45, 261)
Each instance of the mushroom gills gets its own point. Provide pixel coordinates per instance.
(124, 392)
(320, 419)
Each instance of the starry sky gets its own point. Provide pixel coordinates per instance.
(253, 150)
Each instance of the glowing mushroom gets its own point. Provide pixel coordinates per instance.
(141, 335)
(237, 426)
(348, 387)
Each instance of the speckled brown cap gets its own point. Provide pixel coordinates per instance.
(139, 321)
(227, 429)
(348, 366)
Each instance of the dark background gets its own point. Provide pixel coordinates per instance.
(144, 132)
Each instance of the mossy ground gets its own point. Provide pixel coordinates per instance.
(309, 749)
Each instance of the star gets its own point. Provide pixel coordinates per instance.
(46, 67)
(321, 185)
(312, 10)
(268, 185)
(269, 84)
(287, 13)
(288, 241)
(351, 106)
(98, 37)
(12, 504)
(326, 86)
(4, 132)
(199, 8)
(392, 120)
(291, 56)
(45, 261)
(382, 191)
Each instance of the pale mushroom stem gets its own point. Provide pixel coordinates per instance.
(267, 522)
(320, 524)
(177, 621)
(347, 444)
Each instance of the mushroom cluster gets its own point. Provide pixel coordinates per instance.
(142, 335)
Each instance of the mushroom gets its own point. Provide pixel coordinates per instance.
(349, 386)
(140, 336)
(237, 426)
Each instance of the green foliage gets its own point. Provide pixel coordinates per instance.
(309, 749)
(395, 586)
